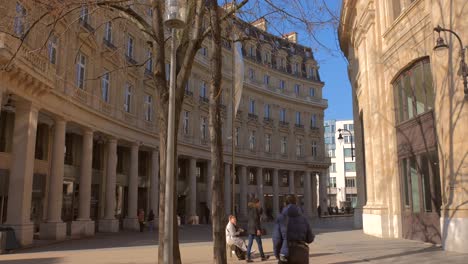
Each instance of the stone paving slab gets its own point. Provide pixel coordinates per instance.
(341, 247)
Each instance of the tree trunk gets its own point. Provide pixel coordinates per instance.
(216, 142)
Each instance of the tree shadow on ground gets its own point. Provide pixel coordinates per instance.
(32, 261)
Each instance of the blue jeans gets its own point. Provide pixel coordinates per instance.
(259, 244)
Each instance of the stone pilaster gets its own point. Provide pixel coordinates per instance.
(193, 217)
(308, 194)
(292, 189)
(131, 221)
(109, 223)
(84, 226)
(243, 192)
(54, 228)
(21, 173)
(275, 193)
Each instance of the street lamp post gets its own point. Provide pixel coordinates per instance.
(174, 19)
(440, 44)
(340, 138)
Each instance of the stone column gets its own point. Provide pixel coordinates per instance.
(192, 216)
(314, 194)
(21, 172)
(109, 223)
(84, 226)
(260, 188)
(227, 188)
(323, 193)
(308, 194)
(275, 193)
(54, 228)
(131, 221)
(292, 189)
(208, 185)
(243, 192)
(154, 183)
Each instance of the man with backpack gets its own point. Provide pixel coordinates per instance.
(292, 234)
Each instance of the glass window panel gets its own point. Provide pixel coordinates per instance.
(426, 185)
(415, 186)
(404, 171)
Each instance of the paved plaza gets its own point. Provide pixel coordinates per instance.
(338, 245)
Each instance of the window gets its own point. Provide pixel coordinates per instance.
(284, 142)
(237, 136)
(84, 15)
(149, 61)
(267, 57)
(252, 52)
(252, 179)
(267, 143)
(168, 71)
(347, 139)
(345, 126)
(294, 68)
(331, 153)
(252, 140)
(149, 12)
(313, 121)
(148, 107)
(299, 149)
(204, 51)
(108, 32)
(130, 48)
(314, 148)
(252, 106)
(52, 47)
(285, 180)
(282, 85)
(203, 90)
(350, 182)
(415, 94)
(311, 92)
(352, 198)
(351, 127)
(20, 19)
(251, 74)
(268, 180)
(332, 182)
(185, 124)
(266, 79)
(333, 167)
(298, 118)
(350, 166)
(80, 71)
(283, 114)
(203, 128)
(297, 89)
(347, 153)
(267, 111)
(105, 83)
(128, 98)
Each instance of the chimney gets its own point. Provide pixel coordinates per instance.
(291, 37)
(260, 24)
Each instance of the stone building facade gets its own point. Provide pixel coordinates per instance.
(410, 116)
(78, 132)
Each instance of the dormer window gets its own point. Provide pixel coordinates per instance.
(252, 51)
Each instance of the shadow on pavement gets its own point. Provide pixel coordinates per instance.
(32, 261)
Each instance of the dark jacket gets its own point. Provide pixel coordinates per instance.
(253, 216)
(290, 225)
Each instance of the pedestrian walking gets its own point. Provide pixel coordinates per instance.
(292, 234)
(254, 229)
(151, 220)
(141, 219)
